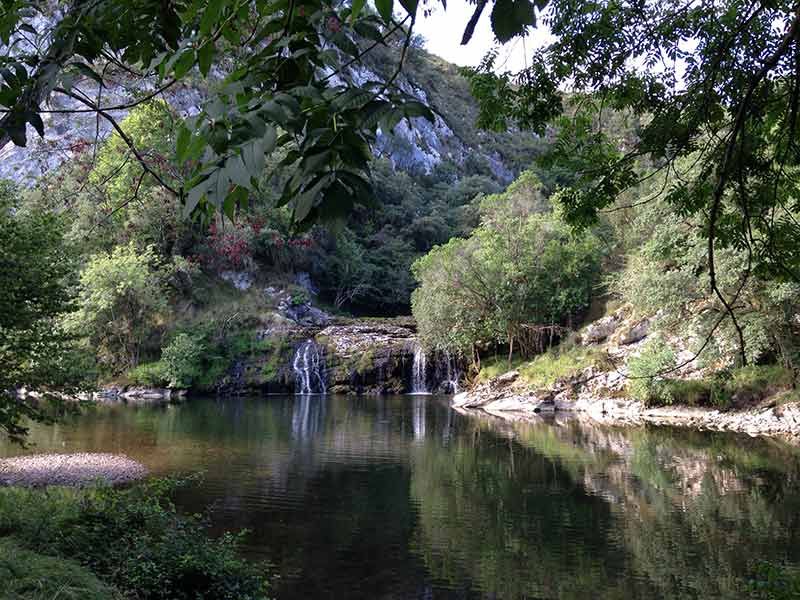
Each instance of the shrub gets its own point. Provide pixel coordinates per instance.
(519, 275)
(647, 383)
(771, 581)
(181, 360)
(132, 539)
(150, 374)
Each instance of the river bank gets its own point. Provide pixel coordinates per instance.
(597, 384)
(500, 398)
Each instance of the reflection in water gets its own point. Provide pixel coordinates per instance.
(308, 415)
(419, 411)
(401, 497)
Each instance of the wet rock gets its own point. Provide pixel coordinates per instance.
(145, 394)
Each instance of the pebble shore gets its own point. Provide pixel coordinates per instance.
(82, 469)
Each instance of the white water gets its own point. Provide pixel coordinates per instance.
(418, 372)
(451, 375)
(309, 369)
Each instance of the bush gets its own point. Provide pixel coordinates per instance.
(122, 297)
(181, 360)
(646, 383)
(149, 374)
(771, 581)
(132, 539)
(521, 275)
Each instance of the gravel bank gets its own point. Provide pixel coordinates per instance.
(69, 469)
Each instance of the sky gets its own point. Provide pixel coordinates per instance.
(443, 30)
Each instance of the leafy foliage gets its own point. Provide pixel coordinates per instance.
(516, 278)
(25, 575)
(181, 360)
(714, 86)
(122, 295)
(133, 540)
(36, 269)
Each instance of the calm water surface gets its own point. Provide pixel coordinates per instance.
(403, 498)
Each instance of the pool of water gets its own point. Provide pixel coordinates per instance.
(401, 497)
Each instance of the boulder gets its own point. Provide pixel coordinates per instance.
(636, 332)
(601, 329)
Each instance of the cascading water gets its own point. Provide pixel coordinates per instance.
(452, 374)
(309, 369)
(419, 371)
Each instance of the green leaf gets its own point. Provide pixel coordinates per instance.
(182, 143)
(315, 162)
(194, 196)
(211, 16)
(220, 186)
(184, 62)
(205, 56)
(511, 18)
(356, 8)
(36, 121)
(238, 172)
(410, 6)
(305, 201)
(385, 9)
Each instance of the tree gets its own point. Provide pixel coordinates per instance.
(715, 85)
(122, 296)
(35, 273)
(519, 278)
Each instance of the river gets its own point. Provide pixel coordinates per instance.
(401, 497)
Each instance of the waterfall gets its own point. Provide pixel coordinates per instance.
(451, 374)
(309, 369)
(419, 371)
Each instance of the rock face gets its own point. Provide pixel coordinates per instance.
(369, 357)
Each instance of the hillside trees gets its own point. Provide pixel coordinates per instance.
(517, 279)
(716, 86)
(278, 75)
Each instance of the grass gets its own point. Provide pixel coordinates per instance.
(543, 370)
(26, 575)
(729, 389)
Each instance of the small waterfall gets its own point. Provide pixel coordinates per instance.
(419, 371)
(309, 369)
(448, 373)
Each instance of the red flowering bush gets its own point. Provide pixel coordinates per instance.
(230, 246)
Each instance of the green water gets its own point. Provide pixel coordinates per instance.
(402, 497)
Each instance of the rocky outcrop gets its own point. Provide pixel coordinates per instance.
(372, 356)
(341, 356)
